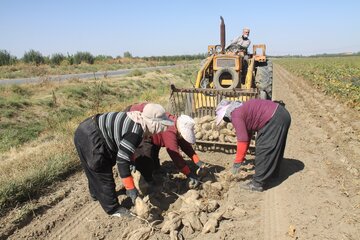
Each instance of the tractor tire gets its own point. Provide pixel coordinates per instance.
(264, 80)
(220, 74)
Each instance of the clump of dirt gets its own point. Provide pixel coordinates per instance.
(138, 234)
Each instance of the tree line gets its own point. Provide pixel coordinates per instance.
(35, 57)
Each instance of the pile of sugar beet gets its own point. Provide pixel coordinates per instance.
(206, 130)
(195, 211)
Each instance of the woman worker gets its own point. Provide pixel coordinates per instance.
(271, 121)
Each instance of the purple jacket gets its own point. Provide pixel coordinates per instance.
(251, 116)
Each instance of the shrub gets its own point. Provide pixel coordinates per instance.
(65, 62)
(33, 57)
(70, 59)
(6, 58)
(103, 58)
(127, 55)
(57, 58)
(86, 57)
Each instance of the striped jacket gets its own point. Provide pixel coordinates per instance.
(123, 136)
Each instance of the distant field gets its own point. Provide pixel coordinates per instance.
(22, 70)
(335, 76)
(38, 122)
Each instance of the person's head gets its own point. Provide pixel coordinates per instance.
(155, 118)
(185, 126)
(246, 32)
(221, 110)
(224, 110)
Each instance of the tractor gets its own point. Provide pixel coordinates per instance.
(232, 68)
(229, 73)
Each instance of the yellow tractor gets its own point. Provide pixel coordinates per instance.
(232, 68)
(229, 73)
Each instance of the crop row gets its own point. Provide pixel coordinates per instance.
(335, 76)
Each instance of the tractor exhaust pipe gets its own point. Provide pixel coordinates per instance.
(222, 34)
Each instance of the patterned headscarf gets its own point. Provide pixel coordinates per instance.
(225, 108)
(153, 119)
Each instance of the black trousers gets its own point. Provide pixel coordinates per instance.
(97, 161)
(147, 159)
(270, 146)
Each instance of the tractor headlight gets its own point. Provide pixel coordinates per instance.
(218, 49)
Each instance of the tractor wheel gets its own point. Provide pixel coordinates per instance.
(264, 79)
(226, 73)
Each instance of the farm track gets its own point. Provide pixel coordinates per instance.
(318, 196)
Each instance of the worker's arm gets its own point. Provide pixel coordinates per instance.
(127, 147)
(190, 152)
(243, 140)
(235, 40)
(172, 147)
(241, 149)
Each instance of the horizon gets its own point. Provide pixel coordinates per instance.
(159, 28)
(342, 54)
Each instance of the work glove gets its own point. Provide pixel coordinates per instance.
(193, 182)
(122, 212)
(132, 168)
(132, 193)
(236, 167)
(203, 170)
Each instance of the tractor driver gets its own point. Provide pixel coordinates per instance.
(242, 42)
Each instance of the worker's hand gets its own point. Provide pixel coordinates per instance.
(193, 182)
(236, 167)
(132, 193)
(200, 163)
(203, 169)
(202, 172)
(132, 168)
(122, 212)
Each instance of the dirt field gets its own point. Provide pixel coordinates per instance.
(318, 196)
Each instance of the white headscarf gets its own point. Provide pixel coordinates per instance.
(185, 125)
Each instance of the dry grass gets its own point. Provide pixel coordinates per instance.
(27, 168)
(22, 70)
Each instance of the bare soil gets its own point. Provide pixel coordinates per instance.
(318, 196)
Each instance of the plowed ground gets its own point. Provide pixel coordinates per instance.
(318, 196)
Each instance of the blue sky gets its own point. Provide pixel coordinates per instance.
(160, 27)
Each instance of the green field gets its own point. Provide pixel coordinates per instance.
(335, 76)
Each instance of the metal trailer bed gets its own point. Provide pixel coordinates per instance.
(198, 102)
